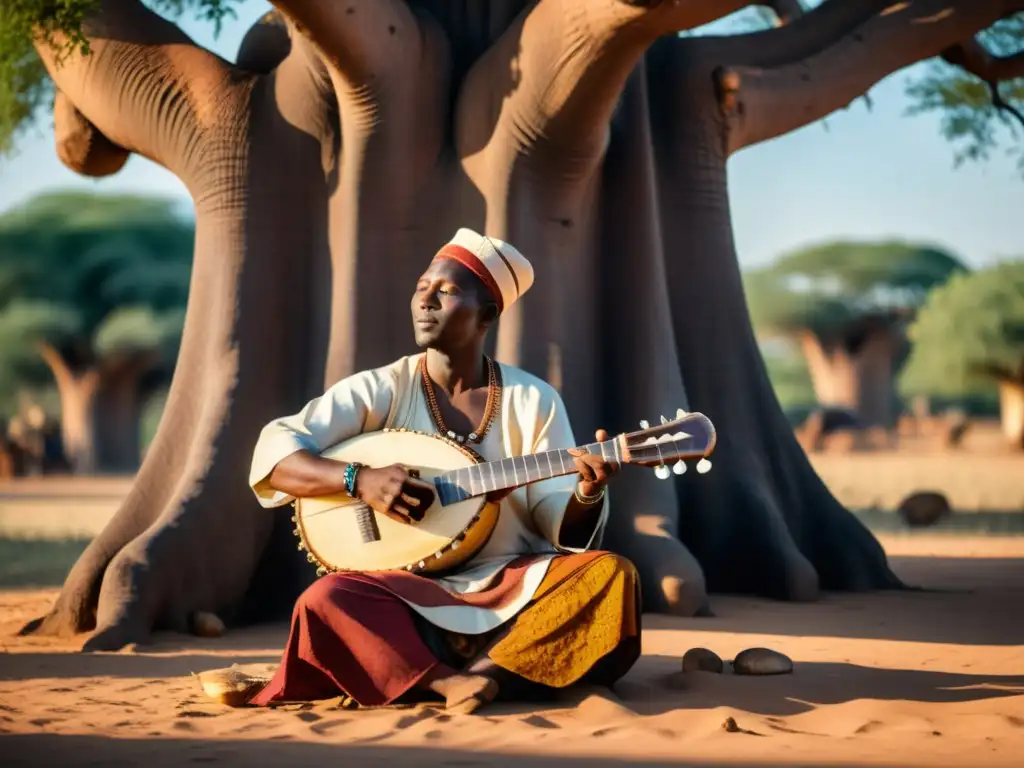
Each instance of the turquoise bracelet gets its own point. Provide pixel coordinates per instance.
(350, 477)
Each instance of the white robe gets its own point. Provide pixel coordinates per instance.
(533, 419)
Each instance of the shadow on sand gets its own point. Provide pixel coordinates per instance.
(655, 687)
(89, 750)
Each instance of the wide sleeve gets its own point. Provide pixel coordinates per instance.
(343, 411)
(548, 499)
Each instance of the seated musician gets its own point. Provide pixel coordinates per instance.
(537, 608)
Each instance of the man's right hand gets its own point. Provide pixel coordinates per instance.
(395, 492)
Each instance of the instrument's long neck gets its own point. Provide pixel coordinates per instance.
(478, 479)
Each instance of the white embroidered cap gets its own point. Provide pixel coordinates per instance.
(503, 269)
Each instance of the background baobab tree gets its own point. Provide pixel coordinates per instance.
(971, 331)
(847, 305)
(92, 305)
(351, 138)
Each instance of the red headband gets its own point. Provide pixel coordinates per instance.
(470, 261)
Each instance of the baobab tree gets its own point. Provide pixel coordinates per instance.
(351, 138)
(847, 305)
(94, 301)
(970, 332)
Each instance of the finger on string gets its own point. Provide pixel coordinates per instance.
(585, 471)
(411, 499)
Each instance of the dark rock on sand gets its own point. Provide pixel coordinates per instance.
(702, 660)
(924, 508)
(761, 661)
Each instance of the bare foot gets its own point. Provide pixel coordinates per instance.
(463, 694)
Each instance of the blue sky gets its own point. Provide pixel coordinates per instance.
(871, 175)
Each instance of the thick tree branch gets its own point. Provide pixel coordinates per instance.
(80, 145)
(765, 103)
(549, 84)
(972, 56)
(361, 39)
(55, 362)
(299, 79)
(786, 11)
(796, 39)
(389, 69)
(144, 85)
(267, 43)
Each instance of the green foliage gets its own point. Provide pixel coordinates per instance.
(969, 118)
(969, 332)
(826, 288)
(24, 83)
(92, 276)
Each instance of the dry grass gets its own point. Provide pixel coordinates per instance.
(972, 481)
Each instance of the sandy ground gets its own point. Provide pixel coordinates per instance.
(916, 678)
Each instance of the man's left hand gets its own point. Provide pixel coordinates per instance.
(594, 470)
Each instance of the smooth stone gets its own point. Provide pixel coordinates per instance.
(924, 508)
(205, 624)
(702, 660)
(761, 661)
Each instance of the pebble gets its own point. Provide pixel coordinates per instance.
(761, 661)
(206, 624)
(702, 660)
(924, 508)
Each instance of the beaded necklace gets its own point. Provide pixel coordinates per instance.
(490, 411)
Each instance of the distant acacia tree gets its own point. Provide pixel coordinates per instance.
(94, 288)
(847, 304)
(971, 330)
(978, 89)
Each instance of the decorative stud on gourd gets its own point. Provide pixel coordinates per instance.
(664, 420)
(645, 424)
(679, 468)
(662, 472)
(680, 413)
(703, 466)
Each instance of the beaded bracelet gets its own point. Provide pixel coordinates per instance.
(588, 500)
(350, 477)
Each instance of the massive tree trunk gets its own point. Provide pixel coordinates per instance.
(856, 372)
(1011, 412)
(100, 411)
(325, 183)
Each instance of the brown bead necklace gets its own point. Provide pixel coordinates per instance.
(490, 410)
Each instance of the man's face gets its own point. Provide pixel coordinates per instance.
(448, 306)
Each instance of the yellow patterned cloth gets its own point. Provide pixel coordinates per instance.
(584, 621)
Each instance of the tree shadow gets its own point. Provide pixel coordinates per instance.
(47, 750)
(656, 686)
(962, 600)
(27, 666)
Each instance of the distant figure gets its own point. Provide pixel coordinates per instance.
(25, 431)
(6, 453)
(953, 427)
(55, 461)
(924, 508)
(827, 422)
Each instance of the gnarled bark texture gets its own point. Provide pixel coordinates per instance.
(349, 143)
